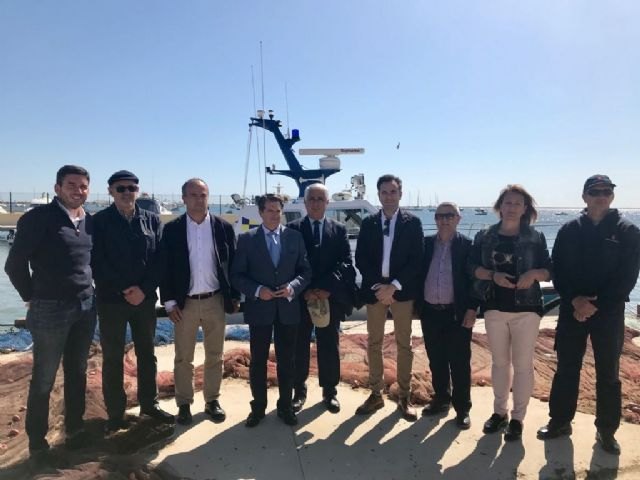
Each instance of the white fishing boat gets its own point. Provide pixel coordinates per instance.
(347, 206)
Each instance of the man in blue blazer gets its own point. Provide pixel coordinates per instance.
(329, 254)
(271, 269)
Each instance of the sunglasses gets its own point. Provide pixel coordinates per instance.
(448, 216)
(600, 192)
(385, 230)
(125, 188)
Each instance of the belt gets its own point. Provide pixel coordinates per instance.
(439, 306)
(202, 296)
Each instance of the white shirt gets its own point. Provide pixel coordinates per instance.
(75, 220)
(387, 242)
(202, 259)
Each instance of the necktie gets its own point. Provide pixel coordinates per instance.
(387, 224)
(274, 248)
(316, 233)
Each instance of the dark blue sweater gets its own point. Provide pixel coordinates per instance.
(59, 255)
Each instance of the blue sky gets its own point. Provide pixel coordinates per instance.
(479, 94)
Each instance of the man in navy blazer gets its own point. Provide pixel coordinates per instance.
(271, 269)
(389, 255)
(447, 314)
(329, 253)
(197, 249)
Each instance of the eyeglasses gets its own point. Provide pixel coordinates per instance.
(124, 188)
(385, 230)
(600, 192)
(448, 216)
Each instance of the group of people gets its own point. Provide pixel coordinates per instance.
(287, 273)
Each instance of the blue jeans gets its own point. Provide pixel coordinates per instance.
(59, 329)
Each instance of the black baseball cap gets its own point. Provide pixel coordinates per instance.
(597, 181)
(122, 175)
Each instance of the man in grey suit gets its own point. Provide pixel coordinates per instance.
(271, 269)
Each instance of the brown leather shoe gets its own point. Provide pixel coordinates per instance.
(407, 410)
(371, 404)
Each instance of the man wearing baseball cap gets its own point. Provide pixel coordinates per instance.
(596, 262)
(127, 268)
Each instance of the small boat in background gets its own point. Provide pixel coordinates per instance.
(37, 202)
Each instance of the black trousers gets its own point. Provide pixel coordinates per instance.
(327, 347)
(113, 320)
(448, 346)
(606, 329)
(284, 337)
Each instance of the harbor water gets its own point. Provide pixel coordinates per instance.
(12, 307)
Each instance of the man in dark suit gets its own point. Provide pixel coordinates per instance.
(389, 255)
(329, 253)
(196, 291)
(127, 268)
(448, 314)
(271, 269)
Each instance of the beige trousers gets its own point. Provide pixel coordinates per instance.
(512, 340)
(207, 313)
(376, 317)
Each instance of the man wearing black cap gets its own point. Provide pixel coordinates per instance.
(127, 268)
(596, 262)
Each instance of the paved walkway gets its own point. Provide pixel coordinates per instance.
(383, 446)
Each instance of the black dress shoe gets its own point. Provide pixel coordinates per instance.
(496, 422)
(157, 413)
(77, 440)
(215, 411)
(254, 419)
(608, 442)
(332, 403)
(298, 401)
(287, 416)
(435, 408)
(463, 421)
(41, 457)
(513, 431)
(184, 415)
(115, 424)
(554, 430)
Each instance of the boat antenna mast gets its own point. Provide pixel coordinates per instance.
(329, 164)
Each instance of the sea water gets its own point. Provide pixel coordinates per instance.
(549, 222)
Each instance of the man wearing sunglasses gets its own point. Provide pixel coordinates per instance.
(596, 261)
(127, 268)
(389, 255)
(447, 315)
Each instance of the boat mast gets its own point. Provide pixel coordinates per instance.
(302, 177)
